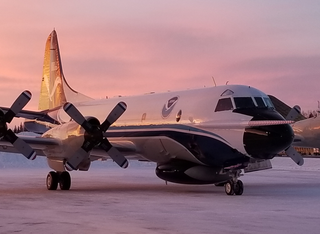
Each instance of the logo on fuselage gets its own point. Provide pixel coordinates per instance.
(168, 107)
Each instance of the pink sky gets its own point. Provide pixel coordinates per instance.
(113, 48)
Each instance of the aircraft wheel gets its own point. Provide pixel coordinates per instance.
(52, 180)
(229, 187)
(64, 180)
(238, 188)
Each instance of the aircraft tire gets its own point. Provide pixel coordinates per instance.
(52, 180)
(64, 180)
(229, 187)
(238, 188)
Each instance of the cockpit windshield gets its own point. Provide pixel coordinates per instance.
(244, 102)
(260, 102)
(224, 104)
(268, 102)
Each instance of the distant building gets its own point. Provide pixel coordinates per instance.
(305, 151)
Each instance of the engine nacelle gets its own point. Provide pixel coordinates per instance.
(184, 172)
(70, 134)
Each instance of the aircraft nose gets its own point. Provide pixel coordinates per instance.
(266, 141)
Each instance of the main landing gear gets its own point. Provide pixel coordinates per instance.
(234, 186)
(62, 178)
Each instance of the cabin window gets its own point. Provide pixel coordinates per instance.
(224, 104)
(260, 102)
(178, 116)
(143, 117)
(244, 102)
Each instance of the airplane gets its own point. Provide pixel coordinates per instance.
(306, 130)
(200, 136)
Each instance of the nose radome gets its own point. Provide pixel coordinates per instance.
(266, 141)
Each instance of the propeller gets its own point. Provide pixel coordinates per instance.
(294, 155)
(94, 136)
(8, 134)
(290, 151)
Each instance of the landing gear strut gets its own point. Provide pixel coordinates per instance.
(234, 186)
(62, 178)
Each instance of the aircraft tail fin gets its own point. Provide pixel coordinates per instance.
(55, 90)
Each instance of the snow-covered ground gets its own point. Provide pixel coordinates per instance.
(107, 199)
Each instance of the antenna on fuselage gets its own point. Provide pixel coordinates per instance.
(227, 82)
(214, 82)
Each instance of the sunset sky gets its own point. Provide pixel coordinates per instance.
(113, 48)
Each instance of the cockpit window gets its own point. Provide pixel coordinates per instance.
(224, 104)
(260, 102)
(244, 102)
(268, 102)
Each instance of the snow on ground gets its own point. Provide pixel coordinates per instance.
(108, 199)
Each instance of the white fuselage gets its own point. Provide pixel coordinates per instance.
(193, 110)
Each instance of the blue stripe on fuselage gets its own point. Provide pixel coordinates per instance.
(209, 148)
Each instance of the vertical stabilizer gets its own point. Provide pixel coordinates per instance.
(55, 90)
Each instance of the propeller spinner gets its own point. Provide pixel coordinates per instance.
(94, 136)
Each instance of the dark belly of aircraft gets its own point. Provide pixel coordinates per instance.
(211, 151)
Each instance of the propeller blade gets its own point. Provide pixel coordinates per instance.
(114, 154)
(73, 112)
(94, 136)
(294, 112)
(295, 156)
(76, 159)
(20, 145)
(17, 106)
(116, 112)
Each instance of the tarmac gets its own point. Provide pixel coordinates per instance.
(109, 199)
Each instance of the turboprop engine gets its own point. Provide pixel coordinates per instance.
(71, 135)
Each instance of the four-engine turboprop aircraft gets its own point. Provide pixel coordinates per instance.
(201, 136)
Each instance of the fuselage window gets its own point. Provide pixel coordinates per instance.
(244, 102)
(178, 116)
(260, 102)
(143, 117)
(224, 104)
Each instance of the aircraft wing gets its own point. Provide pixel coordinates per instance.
(40, 144)
(127, 148)
(39, 115)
